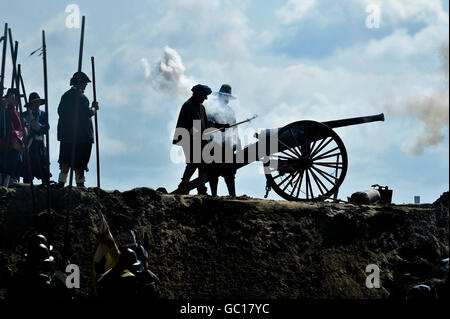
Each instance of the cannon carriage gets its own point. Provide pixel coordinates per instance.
(303, 161)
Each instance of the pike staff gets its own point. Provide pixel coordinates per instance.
(96, 123)
(47, 136)
(74, 140)
(25, 137)
(2, 86)
(14, 50)
(5, 44)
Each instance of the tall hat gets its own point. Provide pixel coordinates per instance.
(83, 78)
(225, 89)
(201, 89)
(34, 97)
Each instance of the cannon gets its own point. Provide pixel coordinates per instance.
(309, 162)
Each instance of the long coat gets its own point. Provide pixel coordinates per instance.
(9, 120)
(190, 111)
(66, 112)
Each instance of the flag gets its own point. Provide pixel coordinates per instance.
(106, 254)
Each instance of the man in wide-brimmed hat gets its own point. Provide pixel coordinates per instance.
(82, 134)
(36, 122)
(221, 112)
(192, 121)
(11, 136)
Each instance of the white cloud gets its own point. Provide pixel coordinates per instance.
(294, 10)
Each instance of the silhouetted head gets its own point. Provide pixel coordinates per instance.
(34, 101)
(200, 92)
(79, 80)
(12, 97)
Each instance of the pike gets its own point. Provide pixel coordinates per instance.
(75, 125)
(235, 124)
(25, 137)
(14, 50)
(5, 44)
(2, 86)
(96, 123)
(47, 136)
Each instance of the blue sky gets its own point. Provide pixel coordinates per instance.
(286, 60)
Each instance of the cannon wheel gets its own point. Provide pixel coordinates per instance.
(311, 165)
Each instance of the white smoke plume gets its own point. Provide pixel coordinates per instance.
(167, 74)
(431, 109)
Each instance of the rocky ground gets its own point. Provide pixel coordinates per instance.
(204, 247)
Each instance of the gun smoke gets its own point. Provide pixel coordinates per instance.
(431, 109)
(167, 74)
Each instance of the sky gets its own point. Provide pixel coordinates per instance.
(286, 60)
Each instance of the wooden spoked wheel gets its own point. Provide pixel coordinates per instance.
(310, 164)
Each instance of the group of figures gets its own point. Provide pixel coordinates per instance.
(221, 117)
(23, 153)
(37, 276)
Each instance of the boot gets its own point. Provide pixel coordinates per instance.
(59, 185)
(202, 190)
(213, 181)
(81, 185)
(229, 180)
(182, 188)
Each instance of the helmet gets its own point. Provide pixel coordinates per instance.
(128, 259)
(41, 254)
(41, 239)
(420, 292)
(83, 78)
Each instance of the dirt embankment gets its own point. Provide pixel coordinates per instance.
(202, 247)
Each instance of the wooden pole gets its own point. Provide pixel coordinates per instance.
(5, 44)
(77, 103)
(74, 140)
(47, 136)
(25, 139)
(96, 123)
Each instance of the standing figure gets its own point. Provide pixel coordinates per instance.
(36, 122)
(11, 136)
(193, 110)
(229, 141)
(83, 131)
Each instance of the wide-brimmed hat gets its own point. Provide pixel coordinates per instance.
(201, 89)
(34, 97)
(225, 89)
(83, 78)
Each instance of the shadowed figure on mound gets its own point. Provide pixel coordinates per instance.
(36, 276)
(36, 124)
(11, 136)
(191, 124)
(84, 137)
(229, 142)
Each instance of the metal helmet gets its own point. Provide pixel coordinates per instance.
(40, 254)
(41, 239)
(128, 259)
(420, 292)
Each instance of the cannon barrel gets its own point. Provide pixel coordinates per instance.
(354, 121)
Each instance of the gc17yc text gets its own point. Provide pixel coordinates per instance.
(229, 309)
